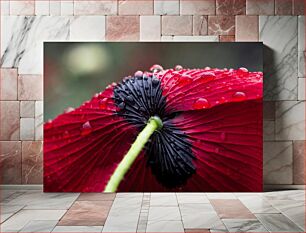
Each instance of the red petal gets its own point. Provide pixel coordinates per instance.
(83, 147)
(206, 88)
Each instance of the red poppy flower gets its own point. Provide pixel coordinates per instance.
(210, 139)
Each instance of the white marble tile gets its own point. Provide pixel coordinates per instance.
(105, 7)
(27, 108)
(38, 200)
(22, 7)
(9, 210)
(257, 205)
(124, 214)
(301, 88)
(166, 38)
(39, 226)
(39, 120)
(301, 46)
(22, 40)
(20, 219)
(5, 7)
(290, 120)
(183, 198)
(294, 210)
(167, 199)
(195, 38)
(167, 213)
(268, 130)
(166, 7)
(277, 223)
(27, 131)
(150, 28)
(42, 7)
(279, 35)
(75, 229)
(294, 195)
(220, 196)
(277, 165)
(55, 7)
(165, 226)
(89, 28)
(242, 225)
(66, 7)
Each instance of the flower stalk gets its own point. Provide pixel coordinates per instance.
(153, 124)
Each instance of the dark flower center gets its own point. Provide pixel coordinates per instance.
(169, 151)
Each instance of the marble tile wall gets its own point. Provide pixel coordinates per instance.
(25, 24)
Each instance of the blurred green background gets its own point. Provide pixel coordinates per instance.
(75, 71)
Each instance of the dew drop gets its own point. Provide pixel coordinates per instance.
(201, 103)
(217, 150)
(207, 77)
(207, 68)
(184, 80)
(222, 100)
(239, 96)
(242, 70)
(66, 134)
(69, 109)
(103, 103)
(156, 68)
(178, 67)
(138, 73)
(86, 128)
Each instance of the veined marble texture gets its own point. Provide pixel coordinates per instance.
(280, 37)
(22, 40)
(301, 46)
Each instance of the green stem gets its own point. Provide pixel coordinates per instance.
(153, 124)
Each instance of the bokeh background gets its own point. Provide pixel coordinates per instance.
(75, 71)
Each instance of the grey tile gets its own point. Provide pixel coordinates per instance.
(257, 205)
(301, 46)
(158, 213)
(165, 226)
(243, 225)
(167, 199)
(9, 210)
(220, 196)
(39, 226)
(192, 198)
(278, 223)
(279, 35)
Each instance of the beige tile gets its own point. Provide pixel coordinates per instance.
(192, 7)
(231, 209)
(97, 197)
(27, 131)
(260, 7)
(247, 28)
(10, 154)
(221, 25)
(277, 164)
(298, 162)
(86, 213)
(9, 120)
(135, 7)
(39, 120)
(200, 25)
(230, 7)
(32, 162)
(122, 28)
(150, 28)
(42, 7)
(269, 110)
(8, 87)
(22, 7)
(165, 226)
(283, 7)
(298, 7)
(27, 108)
(105, 7)
(225, 38)
(176, 25)
(30, 87)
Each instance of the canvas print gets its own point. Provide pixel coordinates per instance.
(153, 117)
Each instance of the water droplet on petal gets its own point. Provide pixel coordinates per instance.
(201, 103)
(184, 80)
(69, 109)
(242, 70)
(178, 67)
(138, 73)
(156, 68)
(217, 150)
(66, 134)
(207, 68)
(86, 128)
(239, 96)
(222, 100)
(207, 77)
(103, 103)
